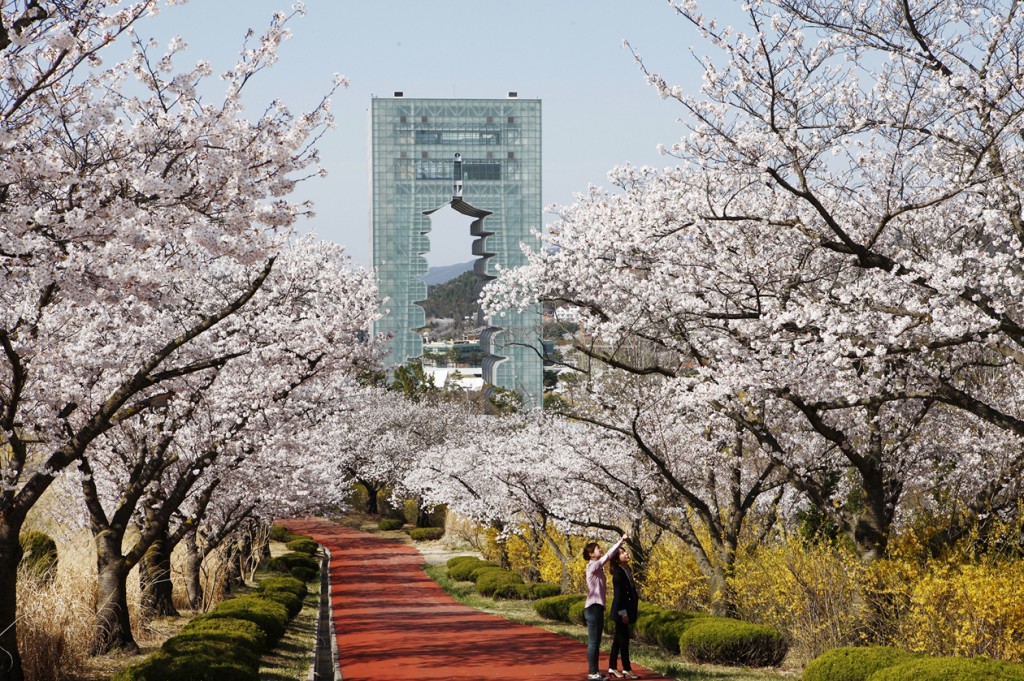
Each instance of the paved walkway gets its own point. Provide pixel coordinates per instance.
(394, 622)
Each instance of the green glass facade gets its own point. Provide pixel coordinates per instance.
(413, 144)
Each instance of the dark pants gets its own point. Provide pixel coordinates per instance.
(594, 615)
(620, 646)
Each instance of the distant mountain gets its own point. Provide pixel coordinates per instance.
(454, 299)
(439, 275)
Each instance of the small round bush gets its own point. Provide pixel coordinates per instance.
(38, 554)
(543, 590)
(512, 591)
(482, 566)
(226, 629)
(576, 612)
(388, 524)
(198, 647)
(197, 666)
(286, 598)
(298, 565)
(289, 584)
(718, 640)
(557, 607)
(458, 560)
(854, 663)
(272, 617)
(663, 627)
(283, 534)
(305, 574)
(950, 669)
(303, 545)
(426, 533)
(489, 581)
(460, 571)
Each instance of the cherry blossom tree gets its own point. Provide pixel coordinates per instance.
(136, 220)
(834, 263)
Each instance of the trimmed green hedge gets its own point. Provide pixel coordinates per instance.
(719, 640)
(458, 560)
(557, 607)
(538, 590)
(211, 664)
(950, 669)
(232, 630)
(854, 663)
(426, 533)
(283, 534)
(299, 565)
(289, 584)
(304, 545)
(662, 626)
(463, 570)
(480, 568)
(271, 616)
(488, 581)
(291, 602)
(388, 524)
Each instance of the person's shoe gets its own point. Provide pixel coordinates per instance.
(614, 672)
(628, 674)
(596, 677)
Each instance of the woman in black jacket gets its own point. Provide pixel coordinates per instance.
(624, 609)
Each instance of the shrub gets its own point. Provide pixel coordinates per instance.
(663, 627)
(388, 524)
(950, 669)
(458, 560)
(576, 612)
(198, 666)
(852, 663)
(461, 570)
(39, 554)
(513, 591)
(283, 534)
(298, 565)
(489, 581)
(232, 630)
(289, 600)
(306, 574)
(303, 545)
(289, 584)
(272, 617)
(717, 640)
(557, 607)
(542, 590)
(479, 568)
(426, 533)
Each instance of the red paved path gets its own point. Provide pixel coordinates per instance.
(394, 622)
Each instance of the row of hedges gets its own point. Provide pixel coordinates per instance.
(881, 663)
(493, 580)
(226, 643)
(300, 561)
(417, 533)
(695, 636)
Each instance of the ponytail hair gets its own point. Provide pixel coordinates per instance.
(613, 561)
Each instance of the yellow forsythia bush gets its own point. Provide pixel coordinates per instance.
(968, 610)
(808, 591)
(672, 579)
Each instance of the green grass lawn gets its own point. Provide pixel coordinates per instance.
(666, 664)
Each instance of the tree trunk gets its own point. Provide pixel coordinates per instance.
(113, 623)
(193, 577)
(371, 498)
(155, 579)
(232, 569)
(10, 556)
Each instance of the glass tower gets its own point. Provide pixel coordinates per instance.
(414, 142)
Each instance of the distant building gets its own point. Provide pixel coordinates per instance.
(413, 144)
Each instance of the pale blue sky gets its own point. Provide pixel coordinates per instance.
(597, 110)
